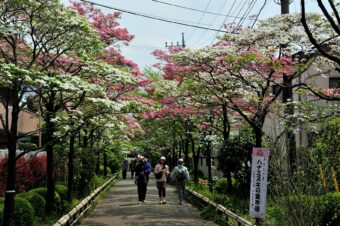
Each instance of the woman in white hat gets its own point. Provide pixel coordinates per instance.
(161, 172)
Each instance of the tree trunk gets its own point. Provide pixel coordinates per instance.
(11, 164)
(258, 136)
(186, 152)
(195, 158)
(229, 180)
(50, 126)
(209, 166)
(226, 124)
(174, 153)
(71, 167)
(85, 139)
(105, 163)
(226, 133)
(98, 164)
(196, 162)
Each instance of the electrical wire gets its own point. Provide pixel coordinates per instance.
(257, 17)
(199, 21)
(240, 22)
(246, 13)
(188, 8)
(211, 24)
(225, 19)
(152, 17)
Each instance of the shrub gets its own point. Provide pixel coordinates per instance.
(42, 191)
(222, 184)
(114, 164)
(1, 210)
(62, 191)
(30, 172)
(200, 173)
(23, 212)
(101, 170)
(38, 204)
(330, 209)
(210, 213)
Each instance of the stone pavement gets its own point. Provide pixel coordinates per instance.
(120, 207)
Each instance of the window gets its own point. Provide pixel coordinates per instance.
(334, 82)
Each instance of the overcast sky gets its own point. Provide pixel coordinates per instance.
(151, 34)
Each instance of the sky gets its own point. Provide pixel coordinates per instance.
(152, 34)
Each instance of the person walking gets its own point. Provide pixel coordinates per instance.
(161, 172)
(147, 171)
(132, 167)
(124, 168)
(180, 174)
(140, 179)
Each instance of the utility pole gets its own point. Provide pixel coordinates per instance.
(177, 45)
(287, 96)
(285, 6)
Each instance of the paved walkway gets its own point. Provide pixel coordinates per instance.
(120, 207)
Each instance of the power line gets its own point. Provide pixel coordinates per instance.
(211, 23)
(188, 8)
(246, 13)
(199, 21)
(153, 17)
(257, 17)
(225, 19)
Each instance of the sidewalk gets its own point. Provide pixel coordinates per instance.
(120, 207)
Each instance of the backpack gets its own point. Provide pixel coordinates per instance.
(180, 174)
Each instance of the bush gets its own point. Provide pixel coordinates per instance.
(1, 209)
(62, 191)
(23, 212)
(330, 210)
(221, 185)
(29, 174)
(114, 165)
(200, 173)
(42, 191)
(37, 202)
(101, 170)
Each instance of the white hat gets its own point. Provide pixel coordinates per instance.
(162, 158)
(180, 160)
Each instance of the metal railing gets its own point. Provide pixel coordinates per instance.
(77, 212)
(204, 201)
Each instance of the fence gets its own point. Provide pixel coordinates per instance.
(204, 201)
(77, 212)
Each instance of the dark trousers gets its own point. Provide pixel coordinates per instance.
(161, 192)
(161, 189)
(181, 190)
(124, 174)
(141, 187)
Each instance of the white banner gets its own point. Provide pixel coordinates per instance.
(258, 184)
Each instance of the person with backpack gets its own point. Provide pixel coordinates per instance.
(140, 179)
(132, 167)
(180, 175)
(124, 168)
(147, 171)
(161, 172)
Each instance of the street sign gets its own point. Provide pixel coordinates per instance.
(258, 188)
